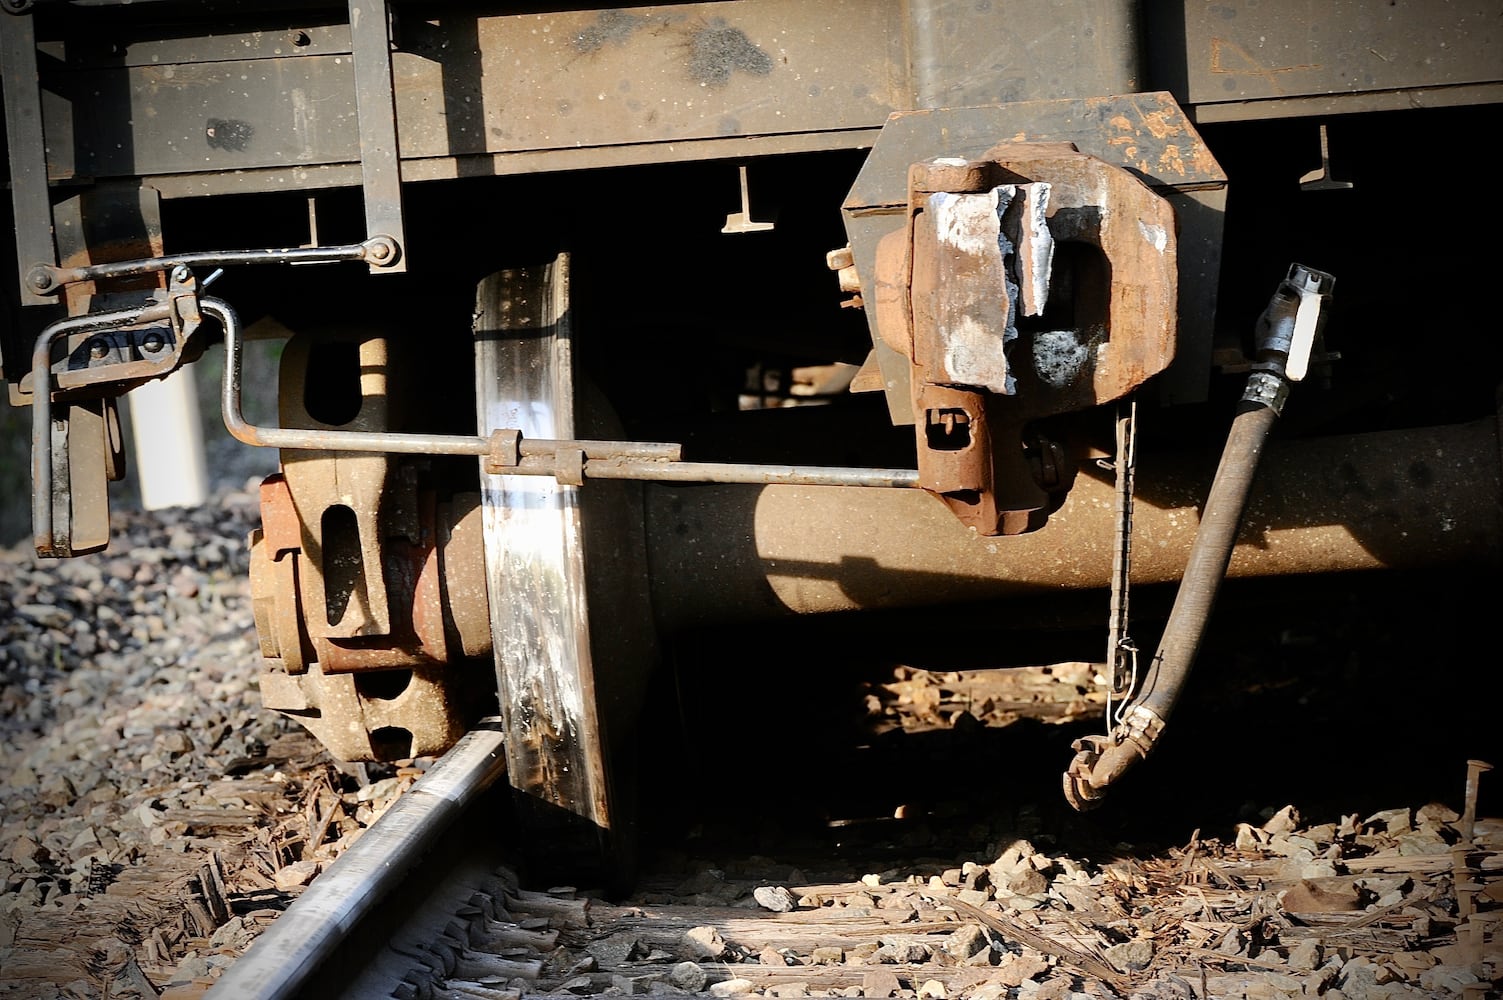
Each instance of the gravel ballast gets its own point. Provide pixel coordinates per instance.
(154, 815)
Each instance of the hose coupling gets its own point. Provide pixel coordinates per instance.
(1267, 389)
(1290, 326)
(1101, 760)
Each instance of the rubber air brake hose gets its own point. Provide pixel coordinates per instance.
(1286, 334)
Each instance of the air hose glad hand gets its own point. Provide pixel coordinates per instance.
(1286, 336)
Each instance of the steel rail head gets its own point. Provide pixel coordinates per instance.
(284, 958)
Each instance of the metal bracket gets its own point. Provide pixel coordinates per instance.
(375, 107)
(52, 436)
(27, 150)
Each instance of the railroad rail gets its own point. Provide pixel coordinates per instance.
(428, 905)
(315, 932)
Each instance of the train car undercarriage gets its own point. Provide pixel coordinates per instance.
(601, 325)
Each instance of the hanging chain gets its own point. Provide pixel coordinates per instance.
(1121, 652)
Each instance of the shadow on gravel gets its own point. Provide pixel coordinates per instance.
(1338, 695)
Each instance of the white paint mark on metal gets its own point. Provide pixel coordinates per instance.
(966, 222)
(1157, 236)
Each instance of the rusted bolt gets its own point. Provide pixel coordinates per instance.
(299, 38)
(153, 342)
(39, 278)
(98, 349)
(381, 250)
(181, 273)
(1048, 463)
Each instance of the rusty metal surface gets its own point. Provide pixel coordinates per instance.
(1398, 499)
(274, 602)
(338, 495)
(975, 259)
(462, 565)
(1145, 134)
(49, 278)
(434, 586)
(1239, 52)
(377, 697)
(422, 711)
(1363, 102)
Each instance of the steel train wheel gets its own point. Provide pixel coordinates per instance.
(567, 569)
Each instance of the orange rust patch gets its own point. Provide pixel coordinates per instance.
(1171, 160)
(1160, 124)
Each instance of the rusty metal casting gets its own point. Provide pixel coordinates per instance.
(339, 495)
(434, 588)
(1146, 134)
(1036, 230)
(415, 680)
(409, 713)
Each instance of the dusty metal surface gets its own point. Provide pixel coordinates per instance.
(350, 574)
(1239, 55)
(416, 712)
(26, 148)
(49, 278)
(382, 697)
(70, 441)
(1397, 499)
(275, 551)
(380, 160)
(476, 86)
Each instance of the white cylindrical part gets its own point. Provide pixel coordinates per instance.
(169, 444)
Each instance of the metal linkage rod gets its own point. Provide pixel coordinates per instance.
(45, 279)
(281, 960)
(717, 472)
(507, 452)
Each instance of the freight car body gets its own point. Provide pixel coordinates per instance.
(567, 369)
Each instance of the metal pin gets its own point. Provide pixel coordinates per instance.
(1474, 771)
